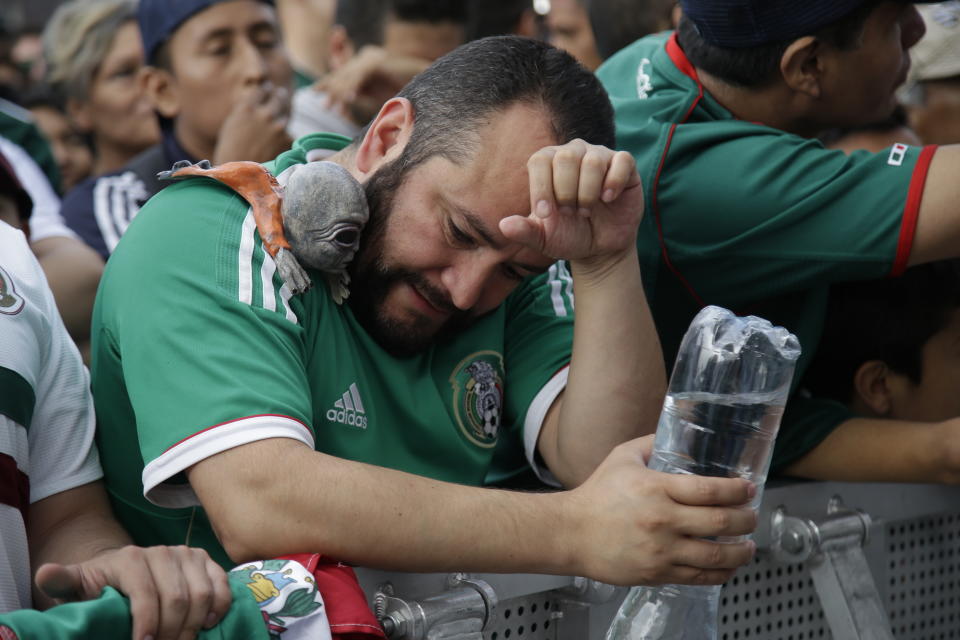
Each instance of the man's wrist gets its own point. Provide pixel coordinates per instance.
(611, 268)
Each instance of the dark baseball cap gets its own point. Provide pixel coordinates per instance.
(737, 24)
(158, 19)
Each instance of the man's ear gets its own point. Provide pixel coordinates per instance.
(802, 66)
(161, 90)
(872, 388)
(341, 47)
(386, 136)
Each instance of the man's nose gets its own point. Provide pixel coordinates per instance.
(912, 27)
(466, 280)
(254, 63)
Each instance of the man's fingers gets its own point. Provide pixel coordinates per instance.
(199, 593)
(716, 521)
(522, 230)
(136, 581)
(540, 173)
(222, 596)
(703, 554)
(697, 576)
(707, 491)
(566, 177)
(60, 582)
(172, 592)
(622, 173)
(593, 170)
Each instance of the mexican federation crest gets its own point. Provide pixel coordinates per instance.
(478, 396)
(10, 302)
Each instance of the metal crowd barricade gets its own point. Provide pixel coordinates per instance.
(835, 560)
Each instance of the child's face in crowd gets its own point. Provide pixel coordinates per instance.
(937, 397)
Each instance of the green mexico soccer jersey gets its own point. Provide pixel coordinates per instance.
(751, 218)
(199, 347)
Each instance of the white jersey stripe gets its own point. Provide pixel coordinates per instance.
(245, 259)
(267, 269)
(556, 291)
(355, 393)
(101, 211)
(565, 276)
(285, 295)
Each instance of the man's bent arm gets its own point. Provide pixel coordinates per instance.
(937, 235)
(626, 525)
(880, 450)
(617, 378)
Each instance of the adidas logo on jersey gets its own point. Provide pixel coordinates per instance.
(348, 409)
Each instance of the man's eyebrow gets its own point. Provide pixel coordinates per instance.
(477, 225)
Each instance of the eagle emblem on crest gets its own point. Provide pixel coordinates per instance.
(478, 397)
(10, 302)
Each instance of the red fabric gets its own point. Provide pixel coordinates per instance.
(347, 610)
(911, 210)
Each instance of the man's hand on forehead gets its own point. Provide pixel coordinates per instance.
(586, 202)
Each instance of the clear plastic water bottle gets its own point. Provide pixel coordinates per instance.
(721, 415)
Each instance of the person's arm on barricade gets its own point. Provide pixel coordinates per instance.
(625, 524)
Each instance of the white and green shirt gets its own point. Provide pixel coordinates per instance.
(199, 347)
(46, 413)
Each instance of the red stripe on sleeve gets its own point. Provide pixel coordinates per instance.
(14, 485)
(911, 210)
(265, 415)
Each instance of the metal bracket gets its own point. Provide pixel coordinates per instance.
(833, 549)
(460, 613)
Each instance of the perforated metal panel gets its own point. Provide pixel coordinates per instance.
(527, 618)
(923, 577)
(767, 601)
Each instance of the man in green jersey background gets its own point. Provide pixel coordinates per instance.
(745, 209)
(237, 417)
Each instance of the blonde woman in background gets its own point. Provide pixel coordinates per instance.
(94, 54)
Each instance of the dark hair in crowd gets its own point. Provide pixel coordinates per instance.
(454, 96)
(617, 23)
(759, 66)
(364, 20)
(494, 17)
(889, 320)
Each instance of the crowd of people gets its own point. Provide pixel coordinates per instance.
(190, 446)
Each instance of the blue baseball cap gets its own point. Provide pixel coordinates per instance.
(158, 19)
(737, 24)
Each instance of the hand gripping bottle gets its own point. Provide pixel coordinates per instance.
(720, 418)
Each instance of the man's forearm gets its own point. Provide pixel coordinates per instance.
(879, 450)
(372, 516)
(72, 527)
(625, 525)
(617, 378)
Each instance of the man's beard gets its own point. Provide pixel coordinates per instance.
(371, 278)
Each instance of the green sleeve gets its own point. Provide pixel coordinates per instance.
(26, 135)
(806, 422)
(538, 344)
(108, 618)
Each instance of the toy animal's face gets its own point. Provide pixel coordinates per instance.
(324, 211)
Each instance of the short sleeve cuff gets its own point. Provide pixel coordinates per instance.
(207, 443)
(533, 423)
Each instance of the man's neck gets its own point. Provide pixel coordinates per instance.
(193, 145)
(773, 106)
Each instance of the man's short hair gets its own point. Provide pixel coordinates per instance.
(365, 20)
(617, 23)
(457, 94)
(759, 65)
(889, 320)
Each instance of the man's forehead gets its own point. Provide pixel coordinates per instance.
(227, 16)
